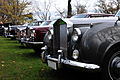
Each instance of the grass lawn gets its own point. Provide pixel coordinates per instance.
(20, 63)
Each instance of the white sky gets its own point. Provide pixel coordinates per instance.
(62, 4)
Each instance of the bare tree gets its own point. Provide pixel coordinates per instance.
(43, 12)
(61, 12)
(110, 7)
(80, 8)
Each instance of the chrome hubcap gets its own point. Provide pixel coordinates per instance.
(114, 67)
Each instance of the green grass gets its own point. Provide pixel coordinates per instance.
(20, 63)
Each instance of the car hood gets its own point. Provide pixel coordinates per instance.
(93, 20)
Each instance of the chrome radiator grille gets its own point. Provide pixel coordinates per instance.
(28, 32)
(60, 37)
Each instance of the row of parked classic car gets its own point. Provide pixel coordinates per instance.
(87, 41)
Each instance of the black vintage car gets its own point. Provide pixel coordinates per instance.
(93, 45)
(1, 29)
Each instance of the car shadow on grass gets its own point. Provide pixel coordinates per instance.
(31, 55)
(70, 74)
(22, 47)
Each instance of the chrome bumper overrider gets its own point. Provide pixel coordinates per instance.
(73, 63)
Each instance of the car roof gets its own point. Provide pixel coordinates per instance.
(86, 15)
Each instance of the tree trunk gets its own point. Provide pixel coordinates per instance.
(69, 13)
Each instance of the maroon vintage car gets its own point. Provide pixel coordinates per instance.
(21, 30)
(34, 36)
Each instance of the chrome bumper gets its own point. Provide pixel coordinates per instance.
(30, 42)
(74, 63)
(35, 43)
(10, 36)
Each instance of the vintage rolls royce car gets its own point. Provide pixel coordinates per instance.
(34, 36)
(93, 44)
(1, 29)
(26, 30)
(12, 31)
(6, 27)
(21, 32)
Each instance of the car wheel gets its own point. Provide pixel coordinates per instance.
(111, 66)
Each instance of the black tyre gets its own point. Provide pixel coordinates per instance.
(111, 66)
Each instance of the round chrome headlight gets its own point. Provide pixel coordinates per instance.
(32, 35)
(50, 36)
(33, 31)
(50, 33)
(75, 54)
(75, 35)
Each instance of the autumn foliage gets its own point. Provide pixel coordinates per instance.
(13, 11)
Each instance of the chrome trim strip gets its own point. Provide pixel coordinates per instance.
(78, 31)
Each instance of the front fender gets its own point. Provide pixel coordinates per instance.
(104, 50)
(95, 43)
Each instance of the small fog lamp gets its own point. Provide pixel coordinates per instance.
(75, 54)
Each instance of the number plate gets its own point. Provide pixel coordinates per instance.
(52, 64)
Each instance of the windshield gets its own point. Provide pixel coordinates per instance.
(51, 23)
(118, 13)
(34, 24)
(45, 23)
(21, 26)
(79, 16)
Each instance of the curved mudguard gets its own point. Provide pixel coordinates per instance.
(97, 40)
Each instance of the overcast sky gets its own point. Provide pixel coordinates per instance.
(62, 4)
